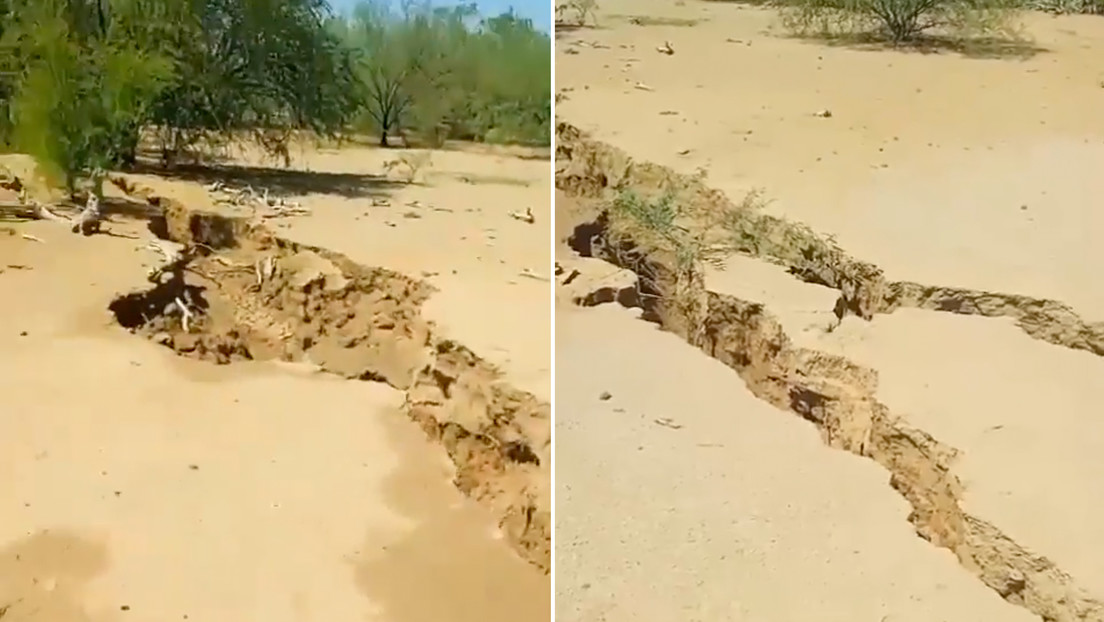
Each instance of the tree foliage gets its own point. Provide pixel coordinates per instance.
(77, 86)
(270, 66)
(82, 81)
(447, 73)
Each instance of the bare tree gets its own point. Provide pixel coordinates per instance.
(388, 99)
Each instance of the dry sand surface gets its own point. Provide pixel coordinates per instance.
(713, 505)
(146, 486)
(969, 186)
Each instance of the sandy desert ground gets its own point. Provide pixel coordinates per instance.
(145, 483)
(954, 205)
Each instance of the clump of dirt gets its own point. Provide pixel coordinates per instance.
(236, 292)
(590, 169)
(835, 394)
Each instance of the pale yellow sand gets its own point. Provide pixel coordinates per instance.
(945, 170)
(144, 487)
(741, 513)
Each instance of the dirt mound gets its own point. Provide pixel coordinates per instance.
(235, 292)
(835, 394)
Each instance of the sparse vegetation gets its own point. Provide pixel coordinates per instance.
(575, 13)
(409, 165)
(709, 233)
(901, 21)
(639, 226)
(1068, 7)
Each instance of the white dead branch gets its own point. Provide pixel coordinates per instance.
(89, 219)
(272, 206)
(185, 314)
(529, 274)
(171, 255)
(87, 222)
(526, 216)
(265, 269)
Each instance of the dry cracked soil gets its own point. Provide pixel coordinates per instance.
(213, 415)
(880, 403)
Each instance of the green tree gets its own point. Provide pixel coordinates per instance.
(447, 74)
(193, 70)
(268, 66)
(82, 87)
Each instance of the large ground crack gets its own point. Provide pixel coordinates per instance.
(834, 393)
(236, 292)
(590, 168)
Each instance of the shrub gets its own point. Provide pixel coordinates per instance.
(409, 165)
(77, 104)
(576, 12)
(900, 21)
(1068, 7)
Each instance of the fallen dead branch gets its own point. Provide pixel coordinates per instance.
(87, 222)
(277, 207)
(529, 274)
(526, 216)
(185, 313)
(89, 219)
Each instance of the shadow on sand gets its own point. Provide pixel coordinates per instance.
(1014, 48)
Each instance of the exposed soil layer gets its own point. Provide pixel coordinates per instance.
(592, 169)
(837, 395)
(250, 295)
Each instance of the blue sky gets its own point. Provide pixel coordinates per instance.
(537, 10)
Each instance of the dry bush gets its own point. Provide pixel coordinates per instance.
(693, 237)
(576, 12)
(409, 165)
(902, 21)
(1068, 7)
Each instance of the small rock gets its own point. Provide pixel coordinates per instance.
(605, 396)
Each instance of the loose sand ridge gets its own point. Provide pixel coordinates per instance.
(951, 406)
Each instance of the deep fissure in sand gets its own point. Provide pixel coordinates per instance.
(250, 295)
(835, 394)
